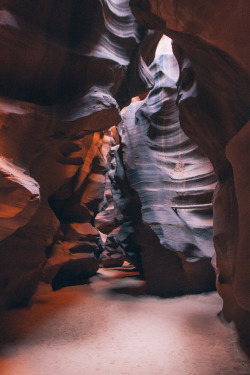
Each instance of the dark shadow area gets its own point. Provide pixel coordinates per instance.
(133, 291)
(62, 280)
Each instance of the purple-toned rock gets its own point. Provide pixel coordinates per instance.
(113, 254)
(166, 186)
(214, 112)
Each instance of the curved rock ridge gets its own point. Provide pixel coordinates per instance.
(208, 22)
(60, 51)
(109, 218)
(74, 256)
(214, 111)
(173, 183)
(19, 198)
(70, 68)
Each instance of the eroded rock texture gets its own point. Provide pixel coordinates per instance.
(212, 48)
(65, 68)
(108, 220)
(74, 256)
(166, 185)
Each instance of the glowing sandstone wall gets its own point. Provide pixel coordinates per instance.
(65, 68)
(212, 49)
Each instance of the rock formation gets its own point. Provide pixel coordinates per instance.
(211, 43)
(166, 186)
(65, 68)
(108, 219)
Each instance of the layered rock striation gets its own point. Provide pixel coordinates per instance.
(109, 218)
(166, 185)
(66, 67)
(212, 48)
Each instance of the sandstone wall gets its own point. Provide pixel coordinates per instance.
(212, 49)
(65, 68)
(166, 185)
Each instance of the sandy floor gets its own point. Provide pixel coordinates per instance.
(110, 327)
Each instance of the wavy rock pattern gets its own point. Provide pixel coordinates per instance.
(19, 198)
(172, 182)
(108, 219)
(75, 254)
(70, 66)
(214, 111)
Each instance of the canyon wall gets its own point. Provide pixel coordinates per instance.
(164, 185)
(66, 68)
(211, 44)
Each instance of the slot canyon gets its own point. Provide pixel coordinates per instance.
(124, 193)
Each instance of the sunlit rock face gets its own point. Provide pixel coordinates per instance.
(211, 43)
(65, 69)
(19, 198)
(166, 185)
(109, 218)
(74, 255)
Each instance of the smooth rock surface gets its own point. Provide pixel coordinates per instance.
(70, 66)
(19, 199)
(166, 186)
(212, 46)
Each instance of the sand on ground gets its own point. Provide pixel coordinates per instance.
(110, 327)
